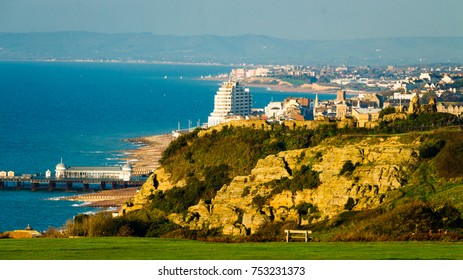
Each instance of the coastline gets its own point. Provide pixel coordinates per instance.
(105, 199)
(281, 86)
(302, 89)
(144, 160)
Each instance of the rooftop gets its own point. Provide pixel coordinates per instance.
(94, 168)
(367, 110)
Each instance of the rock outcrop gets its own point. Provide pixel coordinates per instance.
(380, 166)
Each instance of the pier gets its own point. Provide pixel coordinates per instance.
(35, 183)
(69, 177)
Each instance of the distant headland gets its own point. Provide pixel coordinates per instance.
(146, 47)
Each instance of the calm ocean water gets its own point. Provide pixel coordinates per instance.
(83, 112)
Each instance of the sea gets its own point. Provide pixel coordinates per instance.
(84, 114)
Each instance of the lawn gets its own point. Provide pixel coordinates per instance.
(113, 248)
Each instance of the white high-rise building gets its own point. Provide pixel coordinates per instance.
(232, 99)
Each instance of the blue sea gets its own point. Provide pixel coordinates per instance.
(84, 113)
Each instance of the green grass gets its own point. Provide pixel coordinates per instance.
(113, 248)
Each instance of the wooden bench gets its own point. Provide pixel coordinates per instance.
(298, 234)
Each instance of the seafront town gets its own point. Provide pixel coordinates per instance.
(361, 93)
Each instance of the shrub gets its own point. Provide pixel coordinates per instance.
(246, 191)
(101, 224)
(430, 149)
(161, 227)
(414, 218)
(386, 111)
(449, 161)
(271, 231)
(307, 211)
(412, 221)
(349, 204)
(304, 178)
(52, 232)
(347, 168)
(259, 201)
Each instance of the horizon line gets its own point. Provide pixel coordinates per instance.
(231, 36)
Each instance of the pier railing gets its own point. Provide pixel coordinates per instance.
(52, 183)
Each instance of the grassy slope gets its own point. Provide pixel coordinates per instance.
(173, 249)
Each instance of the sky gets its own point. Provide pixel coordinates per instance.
(288, 19)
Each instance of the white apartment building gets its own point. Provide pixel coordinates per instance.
(231, 99)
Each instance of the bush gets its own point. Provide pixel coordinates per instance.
(161, 227)
(307, 211)
(386, 111)
(413, 221)
(178, 199)
(430, 149)
(304, 178)
(271, 231)
(449, 161)
(347, 168)
(349, 204)
(52, 232)
(259, 201)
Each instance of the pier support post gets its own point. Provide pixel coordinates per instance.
(2, 185)
(19, 185)
(51, 185)
(102, 185)
(34, 186)
(113, 185)
(86, 187)
(68, 186)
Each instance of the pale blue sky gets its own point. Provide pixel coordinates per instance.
(293, 19)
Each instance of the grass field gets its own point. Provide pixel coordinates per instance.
(113, 248)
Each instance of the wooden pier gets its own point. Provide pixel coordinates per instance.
(67, 184)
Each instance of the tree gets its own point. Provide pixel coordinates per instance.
(386, 111)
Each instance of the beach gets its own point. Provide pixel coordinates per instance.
(313, 88)
(144, 159)
(275, 84)
(108, 198)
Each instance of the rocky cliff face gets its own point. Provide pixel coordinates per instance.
(380, 166)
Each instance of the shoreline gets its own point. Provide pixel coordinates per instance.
(117, 62)
(105, 198)
(282, 86)
(145, 158)
(289, 89)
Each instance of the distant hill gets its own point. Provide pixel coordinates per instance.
(250, 49)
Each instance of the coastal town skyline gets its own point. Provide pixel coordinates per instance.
(296, 19)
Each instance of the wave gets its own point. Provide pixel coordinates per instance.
(93, 152)
(80, 204)
(90, 213)
(55, 198)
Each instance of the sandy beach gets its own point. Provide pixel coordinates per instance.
(274, 84)
(314, 88)
(107, 198)
(146, 158)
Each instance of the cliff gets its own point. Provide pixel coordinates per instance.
(378, 167)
